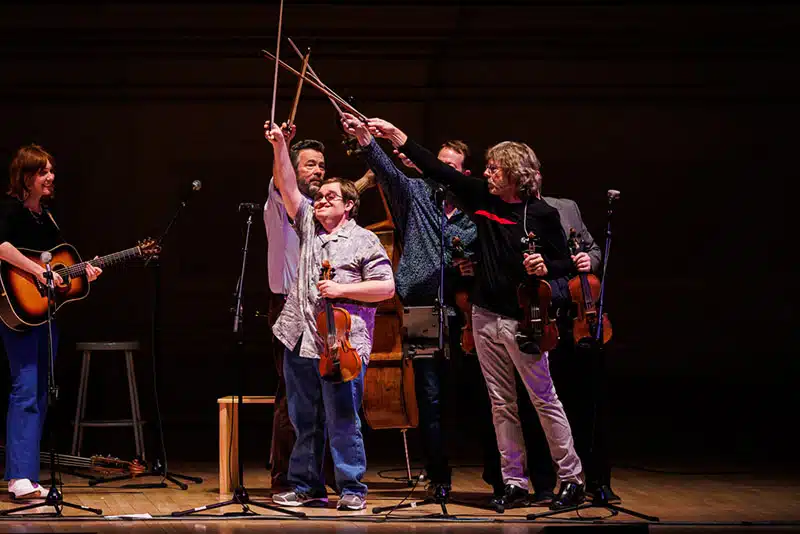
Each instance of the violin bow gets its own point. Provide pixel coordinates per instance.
(327, 92)
(299, 89)
(277, 55)
(314, 74)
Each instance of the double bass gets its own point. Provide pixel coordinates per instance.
(534, 298)
(339, 361)
(584, 290)
(462, 301)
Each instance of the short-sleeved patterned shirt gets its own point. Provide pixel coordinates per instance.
(356, 255)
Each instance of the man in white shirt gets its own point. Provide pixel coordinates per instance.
(283, 253)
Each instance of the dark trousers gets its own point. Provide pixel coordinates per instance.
(429, 380)
(432, 384)
(283, 435)
(282, 432)
(580, 382)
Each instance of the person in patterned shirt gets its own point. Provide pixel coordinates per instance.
(363, 278)
(416, 208)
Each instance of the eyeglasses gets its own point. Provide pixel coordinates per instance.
(492, 168)
(330, 197)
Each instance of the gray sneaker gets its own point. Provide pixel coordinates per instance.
(296, 498)
(351, 501)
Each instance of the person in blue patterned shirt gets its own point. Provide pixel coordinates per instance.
(416, 208)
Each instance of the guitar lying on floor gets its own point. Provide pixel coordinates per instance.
(25, 298)
(103, 464)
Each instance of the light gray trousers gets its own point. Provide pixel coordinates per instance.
(498, 355)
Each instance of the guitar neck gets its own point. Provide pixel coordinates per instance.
(79, 269)
(63, 460)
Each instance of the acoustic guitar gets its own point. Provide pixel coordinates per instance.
(105, 465)
(24, 298)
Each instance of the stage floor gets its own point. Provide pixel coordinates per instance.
(681, 500)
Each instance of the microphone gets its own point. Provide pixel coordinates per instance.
(46, 257)
(252, 207)
(196, 185)
(613, 194)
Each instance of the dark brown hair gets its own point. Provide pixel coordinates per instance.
(349, 192)
(26, 164)
(462, 148)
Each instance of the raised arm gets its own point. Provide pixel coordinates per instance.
(469, 190)
(288, 134)
(285, 177)
(395, 184)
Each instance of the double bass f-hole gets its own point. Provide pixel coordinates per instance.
(339, 361)
(584, 290)
(537, 333)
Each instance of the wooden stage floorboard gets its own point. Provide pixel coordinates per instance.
(698, 502)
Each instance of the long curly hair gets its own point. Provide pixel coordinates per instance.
(519, 164)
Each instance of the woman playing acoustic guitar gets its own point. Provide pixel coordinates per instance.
(25, 222)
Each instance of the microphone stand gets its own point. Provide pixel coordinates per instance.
(601, 500)
(158, 469)
(240, 495)
(440, 499)
(54, 497)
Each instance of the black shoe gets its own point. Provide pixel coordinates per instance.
(571, 494)
(542, 498)
(604, 493)
(513, 497)
(440, 493)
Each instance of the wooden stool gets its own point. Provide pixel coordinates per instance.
(80, 411)
(229, 438)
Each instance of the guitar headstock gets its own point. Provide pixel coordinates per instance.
(148, 247)
(326, 273)
(531, 241)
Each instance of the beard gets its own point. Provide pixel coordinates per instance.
(309, 187)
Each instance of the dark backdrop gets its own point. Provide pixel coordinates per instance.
(688, 111)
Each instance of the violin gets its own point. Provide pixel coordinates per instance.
(534, 298)
(462, 301)
(584, 290)
(339, 362)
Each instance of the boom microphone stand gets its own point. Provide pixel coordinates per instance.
(240, 495)
(440, 498)
(600, 500)
(159, 469)
(54, 497)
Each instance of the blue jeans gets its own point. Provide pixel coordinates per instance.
(28, 360)
(316, 408)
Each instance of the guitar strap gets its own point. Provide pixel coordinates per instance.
(49, 214)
